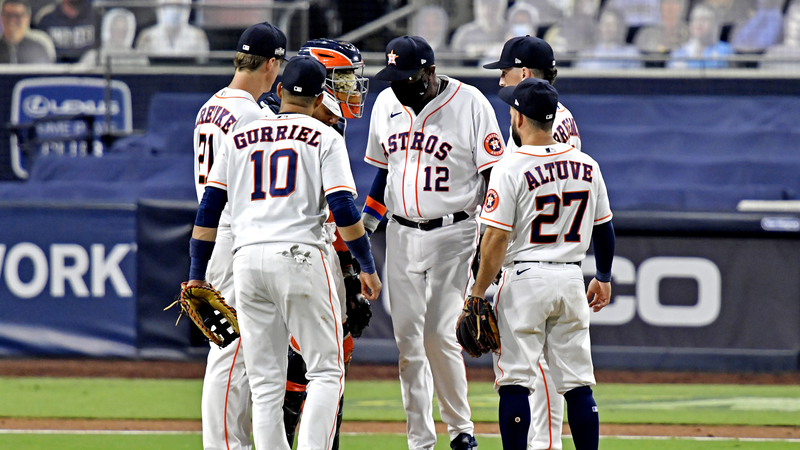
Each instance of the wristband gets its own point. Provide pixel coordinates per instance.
(360, 249)
(200, 252)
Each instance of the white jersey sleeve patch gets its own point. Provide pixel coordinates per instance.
(490, 148)
(500, 205)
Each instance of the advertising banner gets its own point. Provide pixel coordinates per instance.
(68, 281)
(60, 112)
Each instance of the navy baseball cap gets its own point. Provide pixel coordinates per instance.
(405, 56)
(533, 98)
(304, 76)
(263, 39)
(525, 51)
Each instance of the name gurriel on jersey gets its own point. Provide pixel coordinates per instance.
(216, 115)
(264, 134)
(417, 144)
(563, 170)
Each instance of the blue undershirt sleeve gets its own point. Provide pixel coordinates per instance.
(604, 242)
(343, 208)
(210, 210)
(345, 214)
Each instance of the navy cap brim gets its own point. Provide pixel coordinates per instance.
(496, 65)
(506, 94)
(390, 73)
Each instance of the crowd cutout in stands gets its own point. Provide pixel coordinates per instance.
(19, 44)
(585, 34)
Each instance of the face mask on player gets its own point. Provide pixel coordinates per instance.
(410, 94)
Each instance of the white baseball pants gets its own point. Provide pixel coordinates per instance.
(547, 410)
(281, 291)
(225, 403)
(540, 303)
(426, 278)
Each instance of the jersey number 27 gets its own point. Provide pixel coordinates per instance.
(573, 235)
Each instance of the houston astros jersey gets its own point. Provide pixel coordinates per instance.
(549, 198)
(434, 158)
(565, 130)
(277, 172)
(225, 112)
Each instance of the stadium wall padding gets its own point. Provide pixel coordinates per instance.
(692, 291)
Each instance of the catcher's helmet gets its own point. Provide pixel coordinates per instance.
(345, 73)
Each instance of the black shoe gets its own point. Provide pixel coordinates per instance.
(464, 441)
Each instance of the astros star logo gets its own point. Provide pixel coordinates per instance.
(392, 57)
(493, 144)
(492, 199)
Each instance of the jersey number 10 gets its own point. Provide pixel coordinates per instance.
(282, 173)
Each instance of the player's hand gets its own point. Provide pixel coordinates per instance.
(598, 294)
(370, 285)
(193, 283)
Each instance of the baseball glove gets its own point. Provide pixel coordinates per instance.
(477, 327)
(359, 311)
(208, 310)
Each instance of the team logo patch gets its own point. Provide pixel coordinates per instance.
(392, 57)
(493, 145)
(492, 200)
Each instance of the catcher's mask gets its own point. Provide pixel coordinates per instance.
(345, 78)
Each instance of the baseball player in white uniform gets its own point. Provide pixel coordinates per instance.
(546, 203)
(226, 392)
(434, 139)
(280, 175)
(345, 92)
(530, 57)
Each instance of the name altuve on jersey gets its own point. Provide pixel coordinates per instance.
(563, 170)
(265, 134)
(216, 115)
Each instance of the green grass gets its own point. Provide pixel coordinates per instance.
(100, 442)
(380, 400)
(100, 398)
(699, 404)
(350, 442)
(619, 403)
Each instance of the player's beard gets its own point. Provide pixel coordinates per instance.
(410, 94)
(515, 135)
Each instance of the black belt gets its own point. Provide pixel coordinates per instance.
(577, 263)
(430, 224)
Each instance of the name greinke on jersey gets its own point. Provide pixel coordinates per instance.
(215, 115)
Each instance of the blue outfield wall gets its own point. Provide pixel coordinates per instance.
(691, 291)
(663, 144)
(92, 249)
